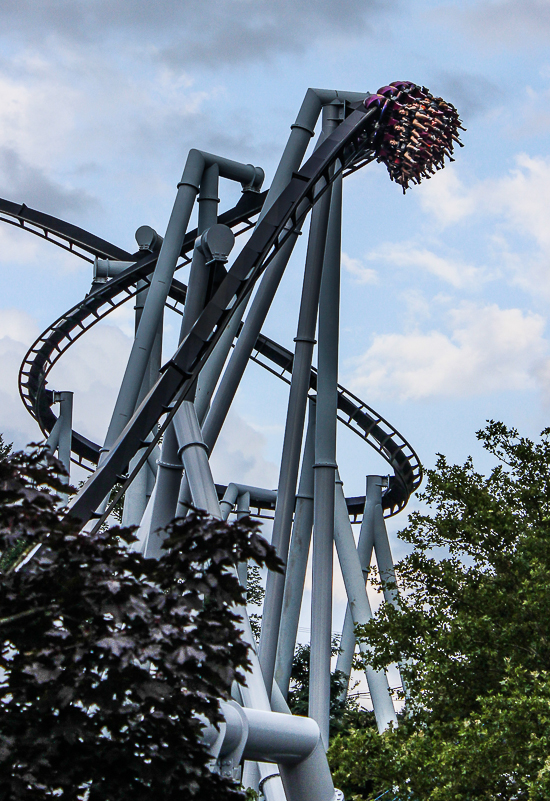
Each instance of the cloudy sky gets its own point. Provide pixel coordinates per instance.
(446, 292)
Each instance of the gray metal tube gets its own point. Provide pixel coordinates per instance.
(309, 780)
(229, 500)
(138, 493)
(383, 553)
(156, 298)
(254, 695)
(243, 510)
(364, 549)
(270, 736)
(169, 473)
(346, 652)
(194, 455)
(60, 438)
(297, 561)
(195, 459)
(245, 343)
(301, 132)
(294, 152)
(218, 239)
(382, 549)
(360, 607)
(206, 384)
(197, 161)
(160, 509)
(108, 268)
(65, 400)
(325, 461)
(169, 476)
(293, 742)
(288, 475)
(243, 505)
(208, 199)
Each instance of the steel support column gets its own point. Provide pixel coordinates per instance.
(325, 462)
(295, 573)
(360, 607)
(292, 442)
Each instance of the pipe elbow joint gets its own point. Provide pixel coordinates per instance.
(256, 181)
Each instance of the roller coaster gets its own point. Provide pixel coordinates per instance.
(168, 417)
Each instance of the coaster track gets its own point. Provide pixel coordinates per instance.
(343, 152)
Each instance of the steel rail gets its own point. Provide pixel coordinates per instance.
(55, 341)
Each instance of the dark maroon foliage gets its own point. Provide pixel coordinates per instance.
(108, 657)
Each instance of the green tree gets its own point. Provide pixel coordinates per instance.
(473, 629)
(345, 713)
(5, 448)
(107, 658)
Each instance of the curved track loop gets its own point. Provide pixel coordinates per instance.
(346, 149)
(56, 339)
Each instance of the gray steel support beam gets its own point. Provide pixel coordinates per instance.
(292, 443)
(215, 242)
(302, 131)
(61, 436)
(156, 298)
(229, 500)
(65, 400)
(164, 497)
(245, 343)
(206, 384)
(365, 545)
(197, 161)
(325, 460)
(138, 493)
(360, 607)
(297, 561)
(208, 199)
(382, 549)
(243, 510)
(291, 741)
(346, 651)
(194, 455)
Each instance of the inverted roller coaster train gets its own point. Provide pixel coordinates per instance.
(168, 417)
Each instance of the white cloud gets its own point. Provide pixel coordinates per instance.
(513, 210)
(498, 23)
(91, 368)
(239, 455)
(208, 33)
(356, 268)
(446, 198)
(452, 271)
(522, 197)
(17, 331)
(489, 349)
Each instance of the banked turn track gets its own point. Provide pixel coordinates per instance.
(344, 151)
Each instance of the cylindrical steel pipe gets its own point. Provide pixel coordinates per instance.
(292, 442)
(325, 457)
(297, 561)
(360, 607)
